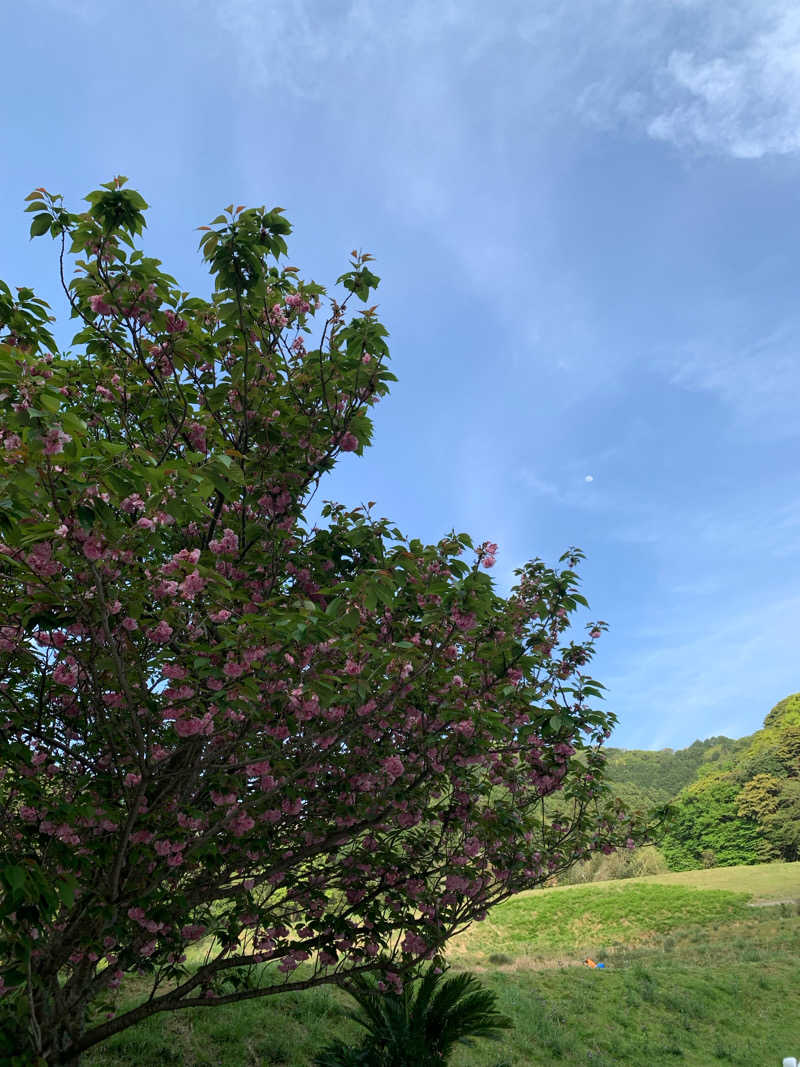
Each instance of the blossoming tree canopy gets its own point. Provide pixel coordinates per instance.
(286, 753)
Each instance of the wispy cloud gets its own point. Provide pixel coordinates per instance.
(711, 670)
(758, 381)
(739, 96)
(720, 75)
(727, 534)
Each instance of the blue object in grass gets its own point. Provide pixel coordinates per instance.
(600, 965)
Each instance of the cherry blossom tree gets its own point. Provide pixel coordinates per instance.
(241, 754)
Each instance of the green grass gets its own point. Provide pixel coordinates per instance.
(765, 881)
(287, 1029)
(693, 976)
(582, 920)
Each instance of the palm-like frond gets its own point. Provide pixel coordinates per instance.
(462, 1010)
(421, 1026)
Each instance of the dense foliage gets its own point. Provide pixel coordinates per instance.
(420, 1026)
(647, 779)
(313, 751)
(747, 809)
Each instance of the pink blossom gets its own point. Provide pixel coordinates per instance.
(241, 823)
(132, 503)
(161, 633)
(54, 441)
(175, 324)
(93, 547)
(12, 441)
(129, 624)
(40, 560)
(197, 436)
(165, 588)
(188, 727)
(192, 932)
(393, 766)
(414, 945)
(191, 585)
(295, 300)
(220, 616)
(348, 442)
(229, 542)
(66, 673)
(99, 306)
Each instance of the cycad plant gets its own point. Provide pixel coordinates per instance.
(419, 1027)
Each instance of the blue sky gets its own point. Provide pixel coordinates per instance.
(585, 217)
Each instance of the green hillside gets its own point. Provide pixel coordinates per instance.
(745, 808)
(650, 779)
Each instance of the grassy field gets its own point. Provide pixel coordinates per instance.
(764, 881)
(693, 975)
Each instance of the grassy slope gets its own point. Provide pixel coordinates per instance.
(682, 965)
(763, 881)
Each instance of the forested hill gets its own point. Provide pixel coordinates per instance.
(649, 779)
(735, 801)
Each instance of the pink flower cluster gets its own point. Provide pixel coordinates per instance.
(175, 324)
(487, 552)
(228, 543)
(54, 441)
(348, 442)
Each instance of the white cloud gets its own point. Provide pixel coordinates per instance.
(722, 75)
(743, 100)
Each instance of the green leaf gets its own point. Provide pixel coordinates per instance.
(50, 401)
(40, 225)
(66, 890)
(14, 877)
